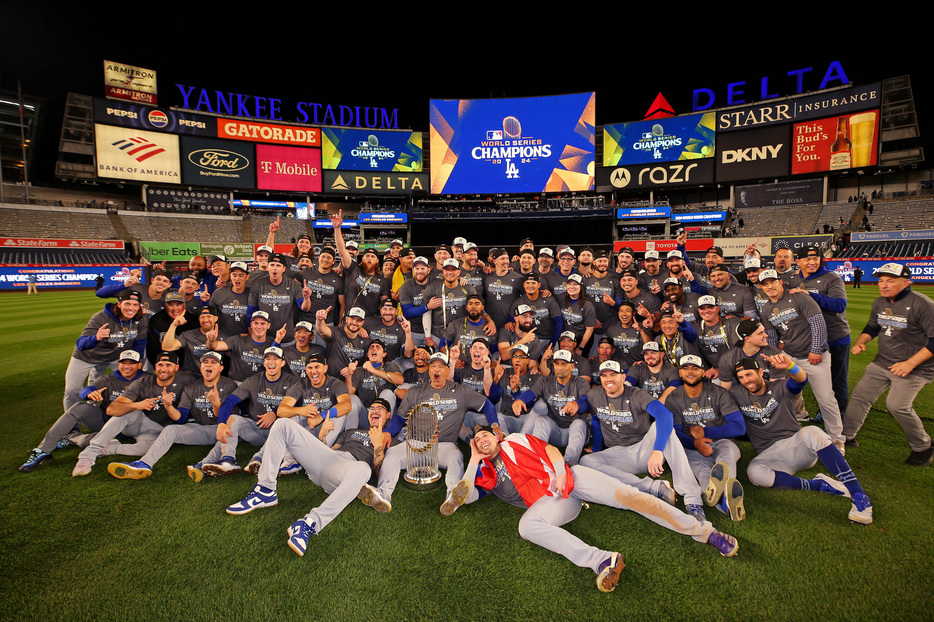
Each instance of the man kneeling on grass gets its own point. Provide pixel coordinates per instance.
(527, 472)
(342, 472)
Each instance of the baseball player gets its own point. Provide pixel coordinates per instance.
(264, 391)
(903, 320)
(92, 413)
(559, 415)
(232, 302)
(327, 287)
(632, 434)
(451, 401)
(342, 471)
(198, 408)
(345, 343)
(151, 296)
(628, 335)
(297, 354)
(752, 342)
(119, 326)
(706, 420)
(501, 288)
(140, 412)
(782, 446)
(524, 471)
(655, 373)
(192, 343)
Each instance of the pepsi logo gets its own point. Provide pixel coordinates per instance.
(159, 119)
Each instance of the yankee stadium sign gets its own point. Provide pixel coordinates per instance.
(270, 109)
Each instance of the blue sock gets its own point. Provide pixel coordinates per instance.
(831, 458)
(785, 481)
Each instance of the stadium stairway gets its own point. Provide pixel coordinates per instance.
(119, 227)
(246, 228)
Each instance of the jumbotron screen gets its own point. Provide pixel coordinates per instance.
(660, 140)
(537, 144)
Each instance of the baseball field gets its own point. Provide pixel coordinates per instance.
(162, 548)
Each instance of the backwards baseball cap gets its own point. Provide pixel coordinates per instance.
(747, 327)
(630, 272)
(327, 250)
(382, 403)
(171, 357)
(628, 250)
(209, 310)
(612, 366)
(719, 268)
(750, 364)
(810, 251)
(156, 273)
(277, 258)
(129, 355)
(690, 359)
(130, 294)
(715, 249)
(896, 270)
(396, 242)
(317, 357)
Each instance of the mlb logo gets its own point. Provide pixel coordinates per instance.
(494, 134)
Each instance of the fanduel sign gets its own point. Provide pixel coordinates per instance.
(270, 108)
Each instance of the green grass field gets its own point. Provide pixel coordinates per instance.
(97, 548)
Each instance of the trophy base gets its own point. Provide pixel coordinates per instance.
(422, 481)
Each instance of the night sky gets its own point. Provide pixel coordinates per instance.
(403, 59)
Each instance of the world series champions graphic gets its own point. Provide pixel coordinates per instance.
(541, 144)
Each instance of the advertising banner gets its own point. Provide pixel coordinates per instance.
(155, 119)
(753, 154)
(699, 217)
(797, 242)
(781, 193)
(663, 246)
(831, 102)
(212, 162)
(365, 182)
(658, 176)
(56, 243)
(689, 137)
(643, 212)
(288, 168)
(380, 218)
(922, 270)
(892, 236)
(532, 144)
(368, 150)
(736, 247)
(17, 277)
(835, 143)
(169, 251)
(129, 82)
(232, 251)
(254, 131)
(136, 155)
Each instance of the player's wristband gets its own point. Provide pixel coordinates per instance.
(794, 369)
(331, 412)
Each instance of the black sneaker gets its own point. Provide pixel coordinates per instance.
(851, 442)
(921, 458)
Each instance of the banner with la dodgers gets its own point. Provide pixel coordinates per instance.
(536, 144)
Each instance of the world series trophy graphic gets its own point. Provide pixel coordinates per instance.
(421, 445)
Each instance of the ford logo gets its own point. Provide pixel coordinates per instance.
(218, 159)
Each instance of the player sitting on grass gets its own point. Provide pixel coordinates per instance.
(342, 471)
